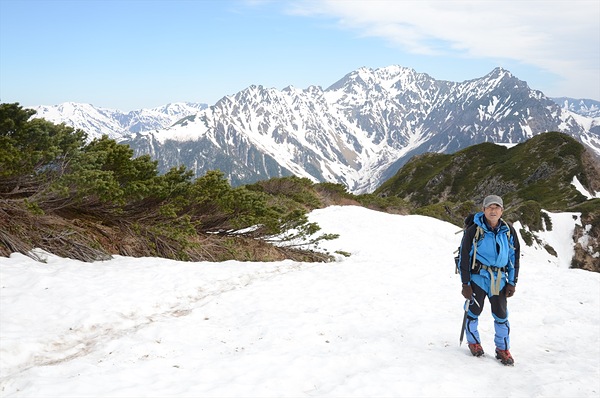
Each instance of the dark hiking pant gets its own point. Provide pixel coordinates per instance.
(499, 312)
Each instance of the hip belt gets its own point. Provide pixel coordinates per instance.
(495, 277)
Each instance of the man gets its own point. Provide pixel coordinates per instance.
(489, 266)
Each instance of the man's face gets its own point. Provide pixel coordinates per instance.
(493, 213)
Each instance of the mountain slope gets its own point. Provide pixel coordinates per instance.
(540, 169)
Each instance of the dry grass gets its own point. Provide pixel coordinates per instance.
(88, 239)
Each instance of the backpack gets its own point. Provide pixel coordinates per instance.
(470, 220)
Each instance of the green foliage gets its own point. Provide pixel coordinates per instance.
(13, 118)
(33, 207)
(289, 191)
(212, 189)
(219, 208)
(528, 213)
(391, 204)
(415, 175)
(550, 250)
(273, 208)
(547, 221)
(333, 189)
(588, 207)
(440, 211)
(343, 253)
(454, 213)
(462, 210)
(106, 171)
(250, 209)
(330, 193)
(540, 169)
(33, 151)
(527, 236)
(299, 232)
(176, 183)
(435, 211)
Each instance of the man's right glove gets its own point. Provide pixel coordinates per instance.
(467, 291)
(510, 290)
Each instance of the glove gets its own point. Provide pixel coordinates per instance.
(510, 290)
(467, 291)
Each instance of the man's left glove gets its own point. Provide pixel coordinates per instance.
(510, 290)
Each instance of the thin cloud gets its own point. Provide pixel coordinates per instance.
(561, 37)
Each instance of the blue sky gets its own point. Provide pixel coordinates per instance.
(132, 54)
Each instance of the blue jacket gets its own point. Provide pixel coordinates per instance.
(494, 249)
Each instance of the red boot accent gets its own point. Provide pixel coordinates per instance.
(504, 357)
(476, 350)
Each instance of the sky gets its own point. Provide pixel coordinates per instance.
(384, 322)
(133, 54)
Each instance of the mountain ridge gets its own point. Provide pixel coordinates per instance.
(547, 163)
(116, 124)
(361, 129)
(580, 106)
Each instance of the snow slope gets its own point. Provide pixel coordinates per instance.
(383, 322)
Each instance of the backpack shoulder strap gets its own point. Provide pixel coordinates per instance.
(479, 232)
(508, 233)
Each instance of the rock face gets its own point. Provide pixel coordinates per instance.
(587, 236)
(587, 243)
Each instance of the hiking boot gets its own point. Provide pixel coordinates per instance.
(504, 357)
(476, 349)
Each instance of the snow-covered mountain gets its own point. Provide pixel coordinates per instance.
(583, 107)
(114, 123)
(357, 132)
(360, 130)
